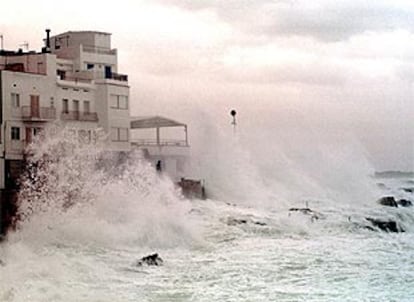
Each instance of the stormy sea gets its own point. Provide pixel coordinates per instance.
(278, 224)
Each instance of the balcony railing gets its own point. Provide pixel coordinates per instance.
(70, 115)
(38, 114)
(117, 77)
(88, 117)
(79, 116)
(162, 142)
(99, 50)
(74, 79)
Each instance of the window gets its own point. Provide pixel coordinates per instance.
(90, 66)
(61, 74)
(15, 97)
(15, 133)
(119, 134)
(65, 106)
(37, 131)
(119, 101)
(86, 106)
(75, 105)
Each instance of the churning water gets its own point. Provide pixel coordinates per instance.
(86, 218)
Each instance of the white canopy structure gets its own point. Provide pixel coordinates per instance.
(158, 122)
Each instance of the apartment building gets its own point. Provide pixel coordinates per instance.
(74, 79)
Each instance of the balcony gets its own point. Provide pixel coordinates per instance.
(160, 143)
(88, 117)
(79, 116)
(33, 114)
(98, 50)
(116, 76)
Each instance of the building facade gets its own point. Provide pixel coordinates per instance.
(74, 80)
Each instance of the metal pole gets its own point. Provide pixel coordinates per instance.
(234, 123)
(158, 136)
(2, 46)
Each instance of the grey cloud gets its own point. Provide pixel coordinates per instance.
(323, 20)
(313, 74)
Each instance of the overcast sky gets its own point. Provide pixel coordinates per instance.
(350, 62)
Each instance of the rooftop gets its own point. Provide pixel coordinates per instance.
(146, 122)
(83, 32)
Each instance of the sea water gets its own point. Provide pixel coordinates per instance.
(85, 224)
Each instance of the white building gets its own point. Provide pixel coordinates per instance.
(75, 80)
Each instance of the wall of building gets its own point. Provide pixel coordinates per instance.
(24, 85)
(62, 74)
(112, 116)
(85, 47)
(31, 62)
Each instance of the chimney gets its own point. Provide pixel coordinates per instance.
(48, 39)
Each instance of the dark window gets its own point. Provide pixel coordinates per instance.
(108, 72)
(61, 74)
(65, 106)
(15, 133)
(90, 66)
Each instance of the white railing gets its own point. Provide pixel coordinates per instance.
(97, 49)
(163, 142)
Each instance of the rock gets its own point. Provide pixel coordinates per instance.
(408, 190)
(238, 221)
(386, 225)
(235, 221)
(153, 259)
(404, 203)
(307, 211)
(388, 201)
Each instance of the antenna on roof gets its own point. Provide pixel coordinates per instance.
(1, 44)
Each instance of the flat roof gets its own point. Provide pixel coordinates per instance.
(145, 122)
(82, 32)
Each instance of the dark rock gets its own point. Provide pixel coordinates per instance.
(153, 259)
(388, 201)
(193, 189)
(404, 203)
(235, 221)
(307, 211)
(408, 190)
(239, 221)
(386, 225)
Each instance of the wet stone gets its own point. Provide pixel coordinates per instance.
(388, 201)
(390, 226)
(404, 203)
(153, 259)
